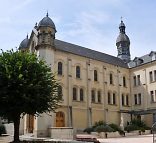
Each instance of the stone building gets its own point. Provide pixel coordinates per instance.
(95, 86)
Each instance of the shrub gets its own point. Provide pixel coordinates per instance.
(136, 125)
(131, 127)
(115, 127)
(104, 128)
(99, 123)
(2, 129)
(88, 130)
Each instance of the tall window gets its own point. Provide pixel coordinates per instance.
(59, 68)
(74, 93)
(60, 91)
(99, 96)
(95, 75)
(154, 75)
(81, 95)
(139, 98)
(93, 96)
(124, 81)
(134, 79)
(111, 78)
(114, 98)
(109, 98)
(152, 96)
(135, 99)
(77, 71)
(138, 79)
(127, 100)
(123, 103)
(150, 76)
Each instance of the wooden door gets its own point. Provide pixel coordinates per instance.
(30, 123)
(60, 119)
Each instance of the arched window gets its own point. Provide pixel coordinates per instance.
(95, 75)
(109, 98)
(111, 78)
(60, 91)
(77, 71)
(123, 100)
(60, 68)
(114, 98)
(124, 81)
(93, 96)
(99, 96)
(127, 100)
(74, 94)
(81, 95)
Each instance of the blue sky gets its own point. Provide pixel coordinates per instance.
(89, 23)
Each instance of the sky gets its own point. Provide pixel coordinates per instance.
(89, 23)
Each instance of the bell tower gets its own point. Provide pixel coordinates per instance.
(123, 44)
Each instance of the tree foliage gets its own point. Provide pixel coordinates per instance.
(27, 86)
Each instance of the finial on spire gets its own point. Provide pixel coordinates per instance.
(27, 35)
(47, 13)
(121, 18)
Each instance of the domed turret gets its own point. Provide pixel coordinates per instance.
(46, 31)
(47, 22)
(24, 44)
(123, 44)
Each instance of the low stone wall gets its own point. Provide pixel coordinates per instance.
(62, 133)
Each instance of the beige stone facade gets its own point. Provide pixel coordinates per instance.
(93, 89)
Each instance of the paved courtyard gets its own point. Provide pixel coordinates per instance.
(131, 139)
(134, 139)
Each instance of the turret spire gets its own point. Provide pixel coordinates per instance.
(123, 43)
(47, 14)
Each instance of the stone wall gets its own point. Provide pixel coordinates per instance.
(62, 133)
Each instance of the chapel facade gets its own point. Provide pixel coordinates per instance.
(95, 86)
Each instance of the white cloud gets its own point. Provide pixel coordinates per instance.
(86, 30)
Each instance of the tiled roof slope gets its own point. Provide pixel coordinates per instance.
(88, 53)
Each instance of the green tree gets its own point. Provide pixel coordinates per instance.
(27, 86)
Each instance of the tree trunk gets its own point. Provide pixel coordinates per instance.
(16, 128)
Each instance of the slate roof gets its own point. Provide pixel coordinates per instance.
(24, 43)
(47, 21)
(138, 61)
(88, 53)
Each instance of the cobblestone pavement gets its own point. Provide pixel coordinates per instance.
(131, 139)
